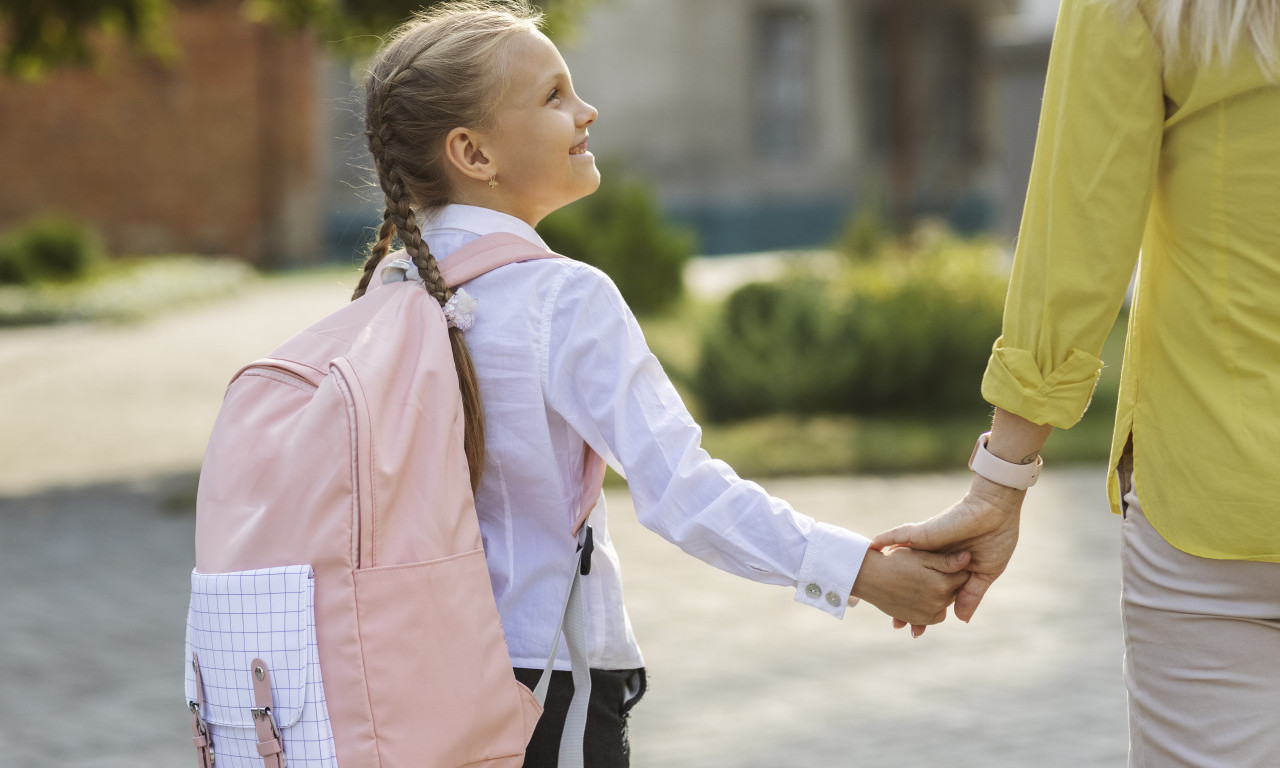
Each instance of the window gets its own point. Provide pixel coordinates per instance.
(920, 77)
(783, 84)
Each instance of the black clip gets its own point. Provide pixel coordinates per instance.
(587, 546)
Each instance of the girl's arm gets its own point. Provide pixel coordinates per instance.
(602, 379)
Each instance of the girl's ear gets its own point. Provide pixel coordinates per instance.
(462, 151)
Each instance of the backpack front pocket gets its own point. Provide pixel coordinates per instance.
(267, 615)
(436, 664)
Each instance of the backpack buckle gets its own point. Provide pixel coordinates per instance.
(587, 546)
(264, 713)
(270, 744)
(399, 271)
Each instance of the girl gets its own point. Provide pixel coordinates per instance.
(475, 129)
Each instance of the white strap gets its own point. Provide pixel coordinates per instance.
(573, 628)
(399, 271)
(575, 721)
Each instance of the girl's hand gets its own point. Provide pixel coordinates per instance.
(915, 587)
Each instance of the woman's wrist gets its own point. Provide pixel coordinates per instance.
(1015, 439)
(1005, 499)
(1014, 452)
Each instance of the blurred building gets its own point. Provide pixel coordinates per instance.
(215, 149)
(1018, 46)
(765, 123)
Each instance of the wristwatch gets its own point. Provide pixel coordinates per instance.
(1001, 472)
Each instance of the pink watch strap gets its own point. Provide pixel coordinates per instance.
(1001, 472)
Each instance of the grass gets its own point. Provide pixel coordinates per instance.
(126, 290)
(841, 444)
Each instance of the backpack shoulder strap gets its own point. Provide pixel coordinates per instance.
(485, 254)
(488, 253)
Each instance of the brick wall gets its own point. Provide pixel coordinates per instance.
(213, 151)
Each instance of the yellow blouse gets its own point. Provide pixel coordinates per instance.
(1183, 165)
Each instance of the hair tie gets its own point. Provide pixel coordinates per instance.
(460, 310)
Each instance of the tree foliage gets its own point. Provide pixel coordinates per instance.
(39, 35)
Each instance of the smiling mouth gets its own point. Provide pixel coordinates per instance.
(579, 149)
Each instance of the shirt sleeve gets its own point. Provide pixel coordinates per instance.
(1092, 180)
(602, 379)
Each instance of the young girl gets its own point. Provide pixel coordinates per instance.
(475, 129)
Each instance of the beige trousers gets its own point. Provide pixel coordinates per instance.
(1202, 654)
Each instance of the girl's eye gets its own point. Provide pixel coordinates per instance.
(555, 94)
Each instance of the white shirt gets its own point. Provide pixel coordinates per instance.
(561, 361)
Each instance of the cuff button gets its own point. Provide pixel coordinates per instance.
(814, 591)
(833, 600)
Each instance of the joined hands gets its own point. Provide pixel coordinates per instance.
(982, 528)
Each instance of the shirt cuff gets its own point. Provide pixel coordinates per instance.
(831, 563)
(1014, 382)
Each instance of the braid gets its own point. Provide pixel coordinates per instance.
(377, 146)
(468, 385)
(376, 253)
(428, 268)
(472, 407)
(440, 70)
(400, 218)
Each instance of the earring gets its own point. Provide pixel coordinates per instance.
(493, 181)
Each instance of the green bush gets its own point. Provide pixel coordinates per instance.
(865, 233)
(49, 248)
(621, 230)
(908, 332)
(770, 351)
(126, 290)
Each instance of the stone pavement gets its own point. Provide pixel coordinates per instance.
(101, 430)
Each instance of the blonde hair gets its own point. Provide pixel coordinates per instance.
(1205, 31)
(441, 70)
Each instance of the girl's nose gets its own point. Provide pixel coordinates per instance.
(588, 115)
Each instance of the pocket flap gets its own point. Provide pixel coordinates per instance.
(237, 617)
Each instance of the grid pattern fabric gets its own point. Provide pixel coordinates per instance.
(267, 614)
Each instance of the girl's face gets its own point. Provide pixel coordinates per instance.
(538, 144)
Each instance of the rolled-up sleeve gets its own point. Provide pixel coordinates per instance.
(601, 378)
(1091, 185)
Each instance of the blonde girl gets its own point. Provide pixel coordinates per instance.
(475, 129)
(1160, 133)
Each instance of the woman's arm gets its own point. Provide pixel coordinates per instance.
(1092, 181)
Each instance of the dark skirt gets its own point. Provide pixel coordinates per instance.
(613, 694)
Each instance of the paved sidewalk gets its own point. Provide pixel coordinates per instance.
(101, 431)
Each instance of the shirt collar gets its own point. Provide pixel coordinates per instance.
(479, 221)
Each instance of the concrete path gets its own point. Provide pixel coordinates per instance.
(101, 431)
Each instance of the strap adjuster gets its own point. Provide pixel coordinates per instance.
(587, 546)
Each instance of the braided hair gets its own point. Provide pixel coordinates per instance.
(438, 71)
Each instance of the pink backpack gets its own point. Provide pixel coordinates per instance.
(341, 612)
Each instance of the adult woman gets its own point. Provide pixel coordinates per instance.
(1160, 132)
